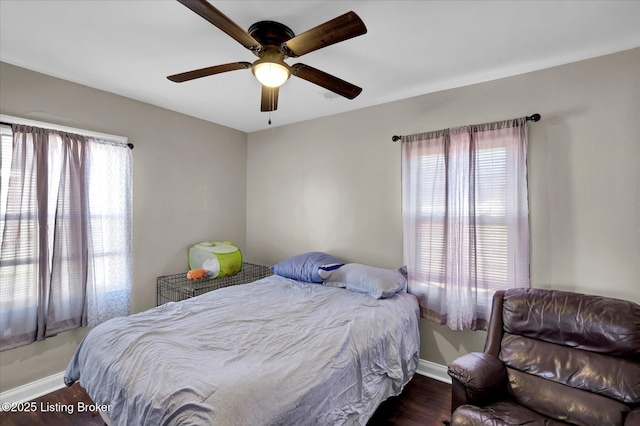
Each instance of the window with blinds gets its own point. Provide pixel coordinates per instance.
(465, 219)
(65, 231)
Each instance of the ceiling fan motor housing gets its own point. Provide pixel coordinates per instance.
(270, 33)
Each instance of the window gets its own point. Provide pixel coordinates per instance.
(465, 219)
(65, 230)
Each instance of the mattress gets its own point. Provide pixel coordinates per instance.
(276, 351)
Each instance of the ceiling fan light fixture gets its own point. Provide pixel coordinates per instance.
(271, 74)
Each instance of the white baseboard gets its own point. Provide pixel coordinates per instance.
(433, 371)
(34, 389)
(56, 381)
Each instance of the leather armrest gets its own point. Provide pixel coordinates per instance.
(633, 418)
(477, 378)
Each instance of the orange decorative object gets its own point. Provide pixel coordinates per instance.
(196, 274)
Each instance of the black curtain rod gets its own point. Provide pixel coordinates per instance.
(130, 145)
(533, 117)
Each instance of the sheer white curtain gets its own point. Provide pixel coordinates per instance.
(465, 219)
(65, 228)
(110, 250)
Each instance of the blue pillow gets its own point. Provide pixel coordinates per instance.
(304, 267)
(379, 283)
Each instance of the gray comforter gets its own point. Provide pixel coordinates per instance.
(273, 352)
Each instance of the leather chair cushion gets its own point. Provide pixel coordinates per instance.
(564, 403)
(587, 322)
(501, 413)
(614, 377)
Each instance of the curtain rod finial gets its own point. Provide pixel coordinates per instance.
(396, 138)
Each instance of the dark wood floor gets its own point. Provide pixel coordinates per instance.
(424, 402)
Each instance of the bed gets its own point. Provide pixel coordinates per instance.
(275, 351)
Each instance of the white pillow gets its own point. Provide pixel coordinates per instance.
(379, 283)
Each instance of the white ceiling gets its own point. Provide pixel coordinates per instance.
(411, 48)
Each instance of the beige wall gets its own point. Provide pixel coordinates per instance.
(189, 185)
(333, 184)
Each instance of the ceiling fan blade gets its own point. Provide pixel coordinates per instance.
(325, 80)
(204, 72)
(334, 31)
(220, 20)
(269, 100)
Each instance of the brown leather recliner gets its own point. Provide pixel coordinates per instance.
(552, 358)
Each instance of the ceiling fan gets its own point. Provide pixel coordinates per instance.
(273, 42)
